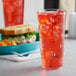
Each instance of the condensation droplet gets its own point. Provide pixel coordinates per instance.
(54, 54)
(60, 46)
(62, 35)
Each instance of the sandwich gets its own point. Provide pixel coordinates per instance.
(17, 34)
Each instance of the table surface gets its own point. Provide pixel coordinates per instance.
(33, 67)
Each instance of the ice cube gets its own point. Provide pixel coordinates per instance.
(51, 19)
(44, 27)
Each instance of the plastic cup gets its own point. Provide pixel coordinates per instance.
(51, 33)
(13, 12)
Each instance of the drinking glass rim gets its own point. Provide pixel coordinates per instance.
(49, 10)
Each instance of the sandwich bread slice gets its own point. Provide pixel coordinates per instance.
(18, 29)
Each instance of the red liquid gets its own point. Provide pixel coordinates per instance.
(51, 38)
(13, 12)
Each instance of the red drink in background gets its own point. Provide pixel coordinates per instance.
(13, 12)
(51, 33)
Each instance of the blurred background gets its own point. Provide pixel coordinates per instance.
(32, 6)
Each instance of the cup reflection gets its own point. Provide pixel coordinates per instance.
(45, 72)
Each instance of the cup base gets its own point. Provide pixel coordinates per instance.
(56, 68)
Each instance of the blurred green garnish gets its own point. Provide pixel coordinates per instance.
(26, 35)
